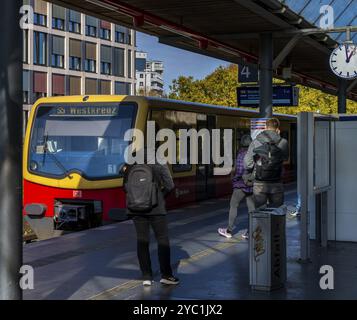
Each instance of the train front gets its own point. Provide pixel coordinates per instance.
(73, 154)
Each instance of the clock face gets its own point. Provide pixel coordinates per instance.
(343, 61)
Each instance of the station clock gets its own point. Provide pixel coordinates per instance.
(343, 61)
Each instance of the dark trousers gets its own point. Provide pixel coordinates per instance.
(159, 225)
(271, 194)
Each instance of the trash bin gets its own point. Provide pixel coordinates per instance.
(267, 248)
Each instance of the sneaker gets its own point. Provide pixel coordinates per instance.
(147, 283)
(295, 213)
(245, 235)
(224, 233)
(169, 280)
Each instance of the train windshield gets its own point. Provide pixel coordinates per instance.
(88, 139)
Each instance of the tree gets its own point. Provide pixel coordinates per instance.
(148, 92)
(219, 88)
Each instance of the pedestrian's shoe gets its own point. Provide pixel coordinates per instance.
(225, 233)
(295, 213)
(147, 283)
(245, 235)
(169, 280)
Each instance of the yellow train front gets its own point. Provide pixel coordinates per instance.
(74, 151)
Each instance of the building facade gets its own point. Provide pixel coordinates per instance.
(70, 53)
(149, 75)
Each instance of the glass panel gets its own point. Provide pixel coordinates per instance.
(61, 140)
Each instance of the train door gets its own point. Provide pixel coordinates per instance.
(205, 185)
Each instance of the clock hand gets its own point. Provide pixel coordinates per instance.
(351, 54)
(347, 59)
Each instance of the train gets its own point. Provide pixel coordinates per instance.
(74, 150)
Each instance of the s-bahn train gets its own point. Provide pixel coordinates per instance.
(74, 148)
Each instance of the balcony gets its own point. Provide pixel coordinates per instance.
(157, 78)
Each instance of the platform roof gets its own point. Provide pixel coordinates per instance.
(229, 30)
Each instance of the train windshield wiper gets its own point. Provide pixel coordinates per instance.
(57, 162)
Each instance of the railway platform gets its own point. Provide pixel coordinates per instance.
(101, 263)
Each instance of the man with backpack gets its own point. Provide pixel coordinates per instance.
(265, 156)
(146, 186)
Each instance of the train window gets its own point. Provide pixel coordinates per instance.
(181, 167)
(222, 142)
(89, 139)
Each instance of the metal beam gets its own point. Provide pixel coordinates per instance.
(283, 24)
(266, 75)
(342, 95)
(239, 36)
(267, 15)
(196, 49)
(304, 152)
(287, 49)
(10, 150)
(317, 45)
(351, 86)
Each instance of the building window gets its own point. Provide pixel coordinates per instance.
(57, 23)
(74, 27)
(74, 85)
(74, 21)
(129, 38)
(40, 48)
(105, 67)
(141, 84)
(57, 61)
(57, 53)
(40, 19)
(104, 34)
(25, 97)
(91, 31)
(75, 63)
(129, 63)
(25, 46)
(119, 37)
(89, 65)
(38, 95)
(122, 88)
(141, 75)
(118, 62)
(58, 85)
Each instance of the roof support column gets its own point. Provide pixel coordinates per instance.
(342, 93)
(10, 150)
(266, 75)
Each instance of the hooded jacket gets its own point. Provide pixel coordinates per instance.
(265, 136)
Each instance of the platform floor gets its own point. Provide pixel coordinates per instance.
(101, 263)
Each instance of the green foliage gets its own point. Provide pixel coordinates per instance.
(219, 88)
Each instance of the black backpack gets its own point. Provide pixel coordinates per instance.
(268, 161)
(141, 188)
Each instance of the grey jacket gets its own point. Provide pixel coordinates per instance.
(266, 135)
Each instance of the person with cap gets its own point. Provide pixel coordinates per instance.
(242, 189)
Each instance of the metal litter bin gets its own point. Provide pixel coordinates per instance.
(267, 248)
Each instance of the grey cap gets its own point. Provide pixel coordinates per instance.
(245, 141)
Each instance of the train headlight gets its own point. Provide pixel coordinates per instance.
(33, 165)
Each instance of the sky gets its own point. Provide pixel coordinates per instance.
(177, 62)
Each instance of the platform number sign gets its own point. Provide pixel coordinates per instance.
(247, 73)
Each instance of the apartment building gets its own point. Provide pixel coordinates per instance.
(149, 75)
(70, 53)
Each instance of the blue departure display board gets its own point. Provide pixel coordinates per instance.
(283, 95)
